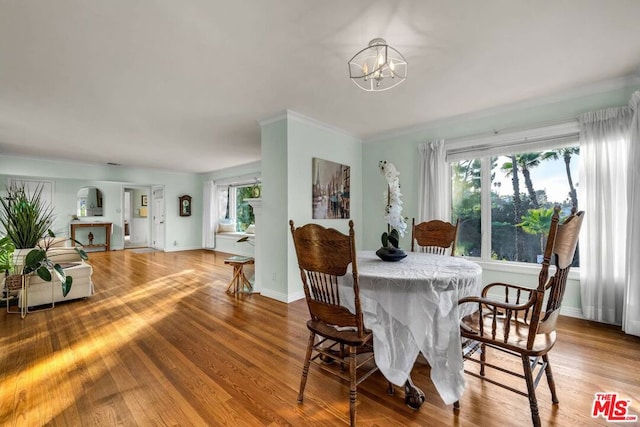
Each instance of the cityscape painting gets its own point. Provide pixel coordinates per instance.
(331, 189)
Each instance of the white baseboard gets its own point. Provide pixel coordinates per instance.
(296, 296)
(571, 312)
(174, 249)
(279, 296)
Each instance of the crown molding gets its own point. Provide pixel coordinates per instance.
(603, 86)
(301, 118)
(272, 118)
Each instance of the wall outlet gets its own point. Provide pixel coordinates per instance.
(175, 243)
(274, 276)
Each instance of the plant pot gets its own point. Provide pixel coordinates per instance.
(18, 258)
(390, 254)
(13, 282)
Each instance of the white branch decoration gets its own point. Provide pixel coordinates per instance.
(393, 209)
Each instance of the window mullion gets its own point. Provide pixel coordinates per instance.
(485, 209)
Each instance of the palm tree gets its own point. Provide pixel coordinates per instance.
(528, 161)
(566, 154)
(468, 171)
(511, 168)
(537, 222)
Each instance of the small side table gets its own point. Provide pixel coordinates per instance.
(239, 282)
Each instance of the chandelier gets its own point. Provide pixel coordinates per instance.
(378, 67)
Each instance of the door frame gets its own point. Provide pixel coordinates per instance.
(147, 189)
(158, 195)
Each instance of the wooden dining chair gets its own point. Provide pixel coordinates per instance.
(434, 237)
(510, 318)
(324, 255)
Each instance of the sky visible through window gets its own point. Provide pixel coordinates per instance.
(550, 176)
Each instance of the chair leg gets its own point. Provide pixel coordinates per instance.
(550, 381)
(305, 369)
(353, 392)
(531, 389)
(390, 388)
(483, 358)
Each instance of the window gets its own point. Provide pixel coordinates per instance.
(505, 201)
(233, 207)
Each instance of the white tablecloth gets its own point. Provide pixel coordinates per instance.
(411, 307)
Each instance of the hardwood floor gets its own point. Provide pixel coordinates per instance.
(161, 343)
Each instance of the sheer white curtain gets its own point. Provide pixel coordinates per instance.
(434, 188)
(631, 317)
(604, 147)
(209, 214)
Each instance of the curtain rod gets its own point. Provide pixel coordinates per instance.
(566, 121)
(536, 144)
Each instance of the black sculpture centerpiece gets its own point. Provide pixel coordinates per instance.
(391, 254)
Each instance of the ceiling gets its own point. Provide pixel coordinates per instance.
(181, 85)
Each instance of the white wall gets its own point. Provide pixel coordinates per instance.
(245, 171)
(271, 243)
(69, 177)
(289, 143)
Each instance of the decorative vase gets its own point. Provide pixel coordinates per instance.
(390, 254)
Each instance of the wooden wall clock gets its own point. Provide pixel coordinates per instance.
(185, 205)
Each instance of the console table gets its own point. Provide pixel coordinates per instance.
(107, 233)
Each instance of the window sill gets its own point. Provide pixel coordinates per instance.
(233, 235)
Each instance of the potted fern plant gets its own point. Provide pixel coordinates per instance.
(27, 219)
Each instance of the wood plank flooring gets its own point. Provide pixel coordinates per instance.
(161, 343)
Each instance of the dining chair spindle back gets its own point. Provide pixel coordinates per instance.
(324, 255)
(515, 322)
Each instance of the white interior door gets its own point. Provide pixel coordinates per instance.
(158, 229)
(127, 215)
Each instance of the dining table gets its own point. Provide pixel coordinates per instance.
(411, 307)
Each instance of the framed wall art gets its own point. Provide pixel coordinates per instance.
(331, 188)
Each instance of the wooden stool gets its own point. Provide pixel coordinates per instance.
(239, 282)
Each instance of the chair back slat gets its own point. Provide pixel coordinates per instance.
(324, 255)
(435, 237)
(561, 246)
(435, 250)
(323, 287)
